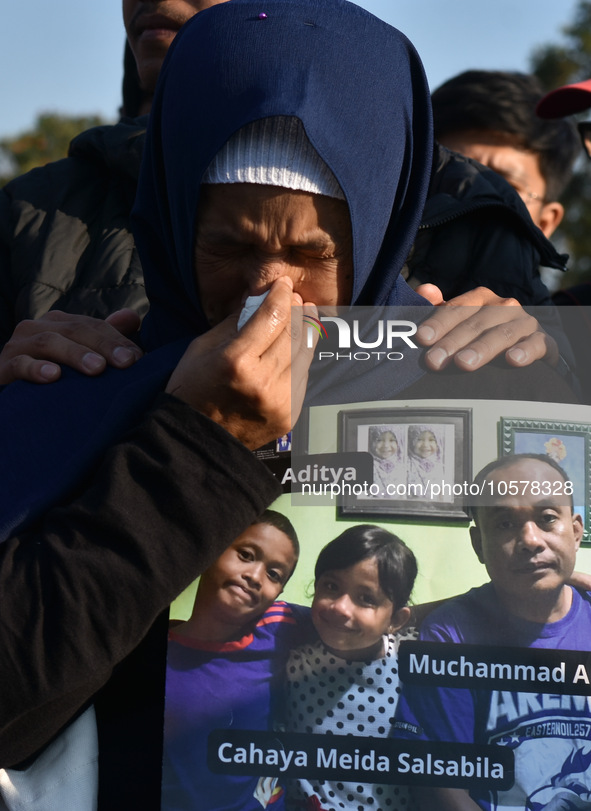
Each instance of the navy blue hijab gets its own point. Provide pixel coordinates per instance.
(359, 89)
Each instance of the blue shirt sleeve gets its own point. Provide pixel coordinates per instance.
(432, 713)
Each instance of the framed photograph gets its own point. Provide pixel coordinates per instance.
(421, 459)
(565, 442)
(277, 457)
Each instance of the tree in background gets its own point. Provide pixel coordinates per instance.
(556, 65)
(47, 141)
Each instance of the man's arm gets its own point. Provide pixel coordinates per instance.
(581, 581)
(472, 329)
(37, 347)
(6, 292)
(33, 349)
(82, 586)
(469, 330)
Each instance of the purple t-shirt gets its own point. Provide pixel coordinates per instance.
(217, 686)
(550, 735)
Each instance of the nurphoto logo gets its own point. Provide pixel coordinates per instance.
(314, 323)
(385, 333)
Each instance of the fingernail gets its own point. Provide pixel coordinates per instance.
(426, 333)
(49, 371)
(518, 355)
(468, 356)
(437, 357)
(123, 355)
(92, 362)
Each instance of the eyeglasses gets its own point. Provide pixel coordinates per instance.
(584, 128)
(530, 197)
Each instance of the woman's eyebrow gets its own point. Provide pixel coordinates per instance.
(218, 233)
(313, 242)
(230, 234)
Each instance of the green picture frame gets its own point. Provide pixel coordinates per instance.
(568, 443)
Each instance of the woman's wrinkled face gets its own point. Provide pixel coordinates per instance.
(385, 445)
(425, 445)
(247, 235)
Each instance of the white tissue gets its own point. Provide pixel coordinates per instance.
(251, 305)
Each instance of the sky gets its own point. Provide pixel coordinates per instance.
(66, 56)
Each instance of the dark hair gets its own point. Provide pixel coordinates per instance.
(500, 101)
(397, 566)
(283, 524)
(507, 461)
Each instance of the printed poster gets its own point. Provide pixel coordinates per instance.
(330, 695)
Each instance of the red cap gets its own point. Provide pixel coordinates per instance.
(567, 100)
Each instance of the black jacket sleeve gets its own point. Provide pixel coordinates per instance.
(83, 586)
(6, 292)
(481, 248)
(476, 231)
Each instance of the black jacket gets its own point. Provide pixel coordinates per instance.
(476, 231)
(65, 241)
(84, 588)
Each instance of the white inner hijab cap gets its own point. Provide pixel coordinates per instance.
(273, 152)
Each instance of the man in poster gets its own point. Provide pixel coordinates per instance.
(528, 543)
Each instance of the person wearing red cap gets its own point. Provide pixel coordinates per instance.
(566, 100)
(569, 100)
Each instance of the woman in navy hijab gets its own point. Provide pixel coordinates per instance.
(358, 88)
(359, 91)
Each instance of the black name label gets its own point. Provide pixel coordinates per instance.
(530, 670)
(360, 759)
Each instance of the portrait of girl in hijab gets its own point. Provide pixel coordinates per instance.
(427, 458)
(387, 447)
